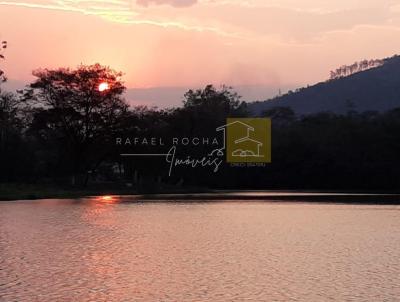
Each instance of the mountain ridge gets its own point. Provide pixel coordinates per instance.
(374, 89)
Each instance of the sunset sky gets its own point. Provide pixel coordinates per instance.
(166, 45)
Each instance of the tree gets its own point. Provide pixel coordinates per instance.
(3, 45)
(12, 150)
(224, 100)
(83, 106)
(7, 105)
(346, 70)
(11, 140)
(210, 107)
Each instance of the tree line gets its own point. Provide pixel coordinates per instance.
(61, 129)
(347, 70)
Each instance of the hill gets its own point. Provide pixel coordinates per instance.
(375, 89)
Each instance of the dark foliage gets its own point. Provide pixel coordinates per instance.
(64, 126)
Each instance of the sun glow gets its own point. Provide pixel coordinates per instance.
(106, 199)
(103, 86)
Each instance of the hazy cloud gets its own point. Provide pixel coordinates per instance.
(237, 42)
(175, 3)
(167, 97)
(121, 11)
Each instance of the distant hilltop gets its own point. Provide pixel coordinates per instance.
(368, 85)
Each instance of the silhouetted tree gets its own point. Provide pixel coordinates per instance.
(3, 45)
(210, 107)
(225, 99)
(15, 158)
(347, 70)
(69, 104)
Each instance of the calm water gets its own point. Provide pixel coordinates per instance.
(101, 250)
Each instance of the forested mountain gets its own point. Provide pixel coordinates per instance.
(356, 88)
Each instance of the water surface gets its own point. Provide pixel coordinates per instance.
(108, 250)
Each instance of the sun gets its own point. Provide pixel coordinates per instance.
(103, 86)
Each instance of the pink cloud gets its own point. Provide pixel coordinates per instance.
(175, 3)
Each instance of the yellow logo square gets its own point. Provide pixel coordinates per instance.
(248, 140)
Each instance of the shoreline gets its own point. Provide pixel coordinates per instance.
(271, 196)
(12, 192)
(208, 196)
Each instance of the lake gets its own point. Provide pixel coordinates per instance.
(110, 249)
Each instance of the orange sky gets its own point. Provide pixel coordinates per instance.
(188, 43)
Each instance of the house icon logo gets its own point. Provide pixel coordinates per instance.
(247, 140)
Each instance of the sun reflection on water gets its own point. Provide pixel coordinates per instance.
(107, 199)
